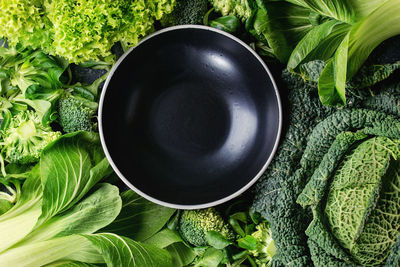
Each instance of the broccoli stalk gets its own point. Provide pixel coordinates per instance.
(194, 224)
(24, 138)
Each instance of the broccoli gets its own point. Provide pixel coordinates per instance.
(24, 138)
(186, 12)
(238, 8)
(266, 249)
(194, 224)
(76, 113)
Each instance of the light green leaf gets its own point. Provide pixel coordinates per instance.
(282, 25)
(217, 240)
(68, 171)
(338, 9)
(332, 82)
(91, 214)
(311, 41)
(25, 213)
(212, 257)
(139, 218)
(46, 252)
(69, 264)
(122, 251)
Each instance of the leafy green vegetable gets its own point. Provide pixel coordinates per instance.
(355, 229)
(61, 208)
(79, 31)
(227, 23)
(280, 186)
(281, 25)
(139, 218)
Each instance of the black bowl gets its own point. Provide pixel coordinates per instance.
(190, 117)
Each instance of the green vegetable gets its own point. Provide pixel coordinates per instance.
(25, 137)
(76, 113)
(194, 224)
(279, 188)
(357, 183)
(24, 68)
(227, 23)
(82, 30)
(265, 249)
(63, 207)
(186, 12)
(238, 8)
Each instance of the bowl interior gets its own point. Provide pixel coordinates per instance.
(190, 116)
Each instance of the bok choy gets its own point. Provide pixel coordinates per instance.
(58, 216)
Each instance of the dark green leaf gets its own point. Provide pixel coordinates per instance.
(181, 254)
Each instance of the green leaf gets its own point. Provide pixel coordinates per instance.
(122, 251)
(332, 82)
(217, 240)
(69, 264)
(88, 216)
(311, 41)
(227, 23)
(338, 9)
(45, 252)
(25, 213)
(248, 242)
(70, 167)
(5, 205)
(212, 257)
(164, 238)
(139, 218)
(181, 254)
(282, 25)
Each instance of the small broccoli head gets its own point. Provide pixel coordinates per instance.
(266, 249)
(186, 12)
(75, 115)
(26, 137)
(194, 224)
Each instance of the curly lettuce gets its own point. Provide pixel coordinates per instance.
(81, 30)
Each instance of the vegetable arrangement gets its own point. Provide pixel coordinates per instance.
(329, 198)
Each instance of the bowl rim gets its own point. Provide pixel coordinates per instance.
(215, 202)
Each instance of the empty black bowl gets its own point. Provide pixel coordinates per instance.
(190, 117)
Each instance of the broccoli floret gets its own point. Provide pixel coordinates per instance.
(76, 114)
(238, 8)
(194, 224)
(266, 249)
(25, 137)
(186, 12)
